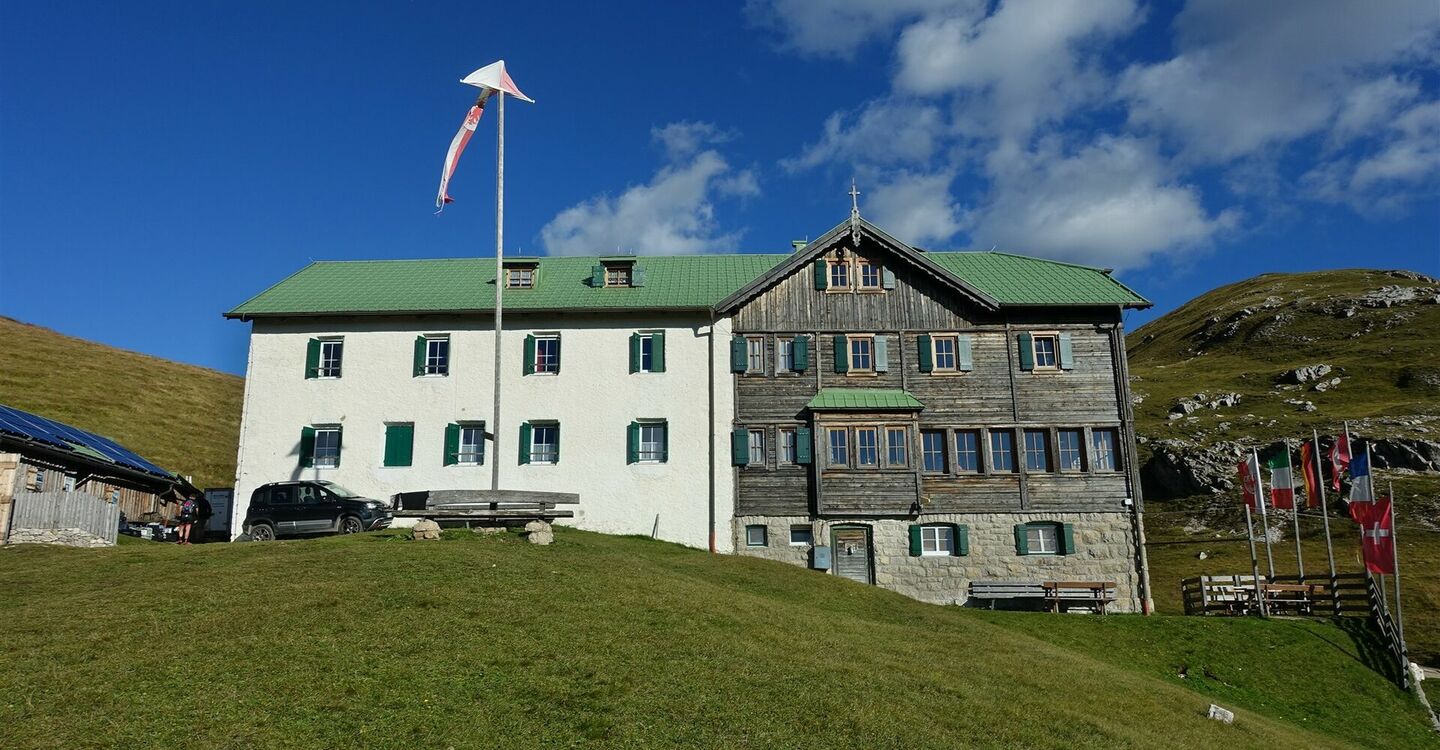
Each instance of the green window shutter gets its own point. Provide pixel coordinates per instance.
(1022, 546)
(739, 446)
(1067, 353)
(529, 363)
(559, 345)
(634, 353)
(738, 360)
(802, 353)
(803, 445)
(926, 352)
(525, 432)
(966, 353)
(637, 276)
(657, 352)
(887, 278)
(597, 276)
(822, 275)
(632, 443)
(419, 360)
(842, 354)
(339, 443)
(557, 442)
(312, 359)
(915, 548)
(665, 442)
(1027, 352)
(962, 539)
(307, 446)
(452, 444)
(399, 444)
(1068, 536)
(882, 354)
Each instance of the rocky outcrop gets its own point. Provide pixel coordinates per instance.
(1305, 374)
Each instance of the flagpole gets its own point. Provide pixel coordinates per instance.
(499, 287)
(1399, 612)
(1370, 480)
(1325, 515)
(1260, 500)
(1295, 510)
(1254, 561)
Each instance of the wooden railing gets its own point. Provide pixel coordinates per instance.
(1346, 595)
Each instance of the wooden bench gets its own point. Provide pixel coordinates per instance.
(1232, 594)
(996, 589)
(497, 506)
(1093, 593)
(1299, 597)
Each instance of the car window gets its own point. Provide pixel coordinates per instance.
(282, 495)
(261, 496)
(310, 494)
(337, 490)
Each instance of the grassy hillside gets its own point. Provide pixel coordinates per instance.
(182, 417)
(598, 641)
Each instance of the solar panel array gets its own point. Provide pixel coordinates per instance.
(63, 436)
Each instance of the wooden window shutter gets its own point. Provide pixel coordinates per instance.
(558, 347)
(632, 443)
(1027, 352)
(557, 442)
(882, 354)
(665, 441)
(399, 444)
(312, 359)
(1067, 546)
(915, 546)
(525, 434)
(634, 352)
(1022, 544)
(1067, 352)
(962, 539)
(887, 278)
(966, 352)
(657, 352)
(738, 360)
(637, 276)
(597, 276)
(842, 354)
(801, 356)
(307, 446)
(419, 360)
(925, 351)
(804, 441)
(740, 446)
(452, 444)
(822, 274)
(529, 363)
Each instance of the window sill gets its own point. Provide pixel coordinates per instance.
(948, 373)
(861, 374)
(937, 554)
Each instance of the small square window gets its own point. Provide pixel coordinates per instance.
(945, 347)
(937, 540)
(652, 442)
(801, 536)
(547, 354)
(544, 444)
(1041, 539)
(862, 353)
(869, 274)
(437, 355)
(327, 447)
(755, 355)
(756, 536)
(332, 351)
(472, 445)
(839, 274)
(520, 278)
(757, 447)
(617, 276)
(1045, 348)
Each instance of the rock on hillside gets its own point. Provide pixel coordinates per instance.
(1273, 357)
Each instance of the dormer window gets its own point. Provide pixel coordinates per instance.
(520, 277)
(616, 275)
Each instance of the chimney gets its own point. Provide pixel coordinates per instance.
(799, 244)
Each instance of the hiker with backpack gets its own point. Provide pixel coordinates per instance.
(189, 512)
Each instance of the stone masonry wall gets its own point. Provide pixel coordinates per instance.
(1104, 551)
(64, 537)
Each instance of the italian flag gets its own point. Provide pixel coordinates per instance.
(1282, 486)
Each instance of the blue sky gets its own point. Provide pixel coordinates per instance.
(162, 162)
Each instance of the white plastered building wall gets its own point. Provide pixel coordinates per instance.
(594, 398)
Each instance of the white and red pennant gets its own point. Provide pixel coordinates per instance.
(489, 79)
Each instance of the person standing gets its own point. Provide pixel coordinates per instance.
(189, 512)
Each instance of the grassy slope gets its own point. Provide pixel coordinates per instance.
(473, 641)
(1165, 356)
(184, 418)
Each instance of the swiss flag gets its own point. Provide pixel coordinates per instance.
(1377, 536)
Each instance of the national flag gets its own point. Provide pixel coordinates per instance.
(1282, 487)
(1339, 459)
(457, 147)
(1249, 478)
(1362, 493)
(1310, 474)
(1377, 536)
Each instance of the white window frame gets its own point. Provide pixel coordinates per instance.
(332, 358)
(1038, 535)
(1054, 339)
(750, 535)
(784, 354)
(807, 529)
(618, 275)
(890, 446)
(860, 448)
(647, 353)
(553, 453)
(787, 446)
(474, 457)
(937, 541)
(536, 366)
(332, 460)
(868, 353)
(754, 355)
(978, 452)
(437, 365)
(1079, 449)
(1105, 457)
(655, 454)
(954, 353)
(756, 438)
(520, 277)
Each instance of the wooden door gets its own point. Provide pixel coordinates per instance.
(850, 551)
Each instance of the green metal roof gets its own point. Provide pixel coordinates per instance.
(863, 398)
(671, 282)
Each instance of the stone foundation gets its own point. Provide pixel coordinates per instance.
(64, 537)
(1104, 551)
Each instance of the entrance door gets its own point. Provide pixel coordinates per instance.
(850, 548)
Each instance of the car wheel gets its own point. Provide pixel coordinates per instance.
(351, 525)
(262, 532)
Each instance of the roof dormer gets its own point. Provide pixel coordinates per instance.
(619, 272)
(521, 273)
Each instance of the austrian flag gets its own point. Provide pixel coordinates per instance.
(1282, 487)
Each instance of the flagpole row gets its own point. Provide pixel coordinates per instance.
(1260, 499)
(1254, 561)
(1295, 510)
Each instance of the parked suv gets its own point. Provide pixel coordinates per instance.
(317, 507)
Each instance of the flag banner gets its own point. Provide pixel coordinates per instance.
(457, 147)
(1249, 478)
(494, 77)
(1377, 536)
(1339, 459)
(1309, 473)
(1361, 494)
(1282, 487)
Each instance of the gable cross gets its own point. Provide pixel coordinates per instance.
(854, 215)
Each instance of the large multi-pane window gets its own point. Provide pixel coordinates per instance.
(331, 353)
(755, 354)
(437, 355)
(472, 445)
(862, 353)
(652, 441)
(838, 440)
(967, 451)
(327, 447)
(1044, 351)
(547, 354)
(932, 450)
(785, 438)
(1037, 450)
(1104, 455)
(937, 540)
(1002, 450)
(784, 355)
(544, 444)
(757, 447)
(944, 352)
(839, 274)
(1071, 450)
(897, 446)
(867, 446)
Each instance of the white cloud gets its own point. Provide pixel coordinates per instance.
(1111, 203)
(838, 27)
(1254, 74)
(674, 213)
(1370, 105)
(885, 131)
(1405, 164)
(916, 208)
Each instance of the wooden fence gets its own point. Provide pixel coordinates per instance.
(1316, 595)
(1389, 634)
(38, 512)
